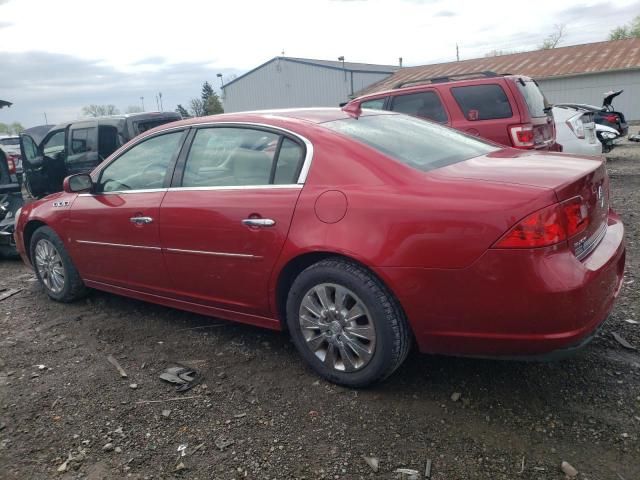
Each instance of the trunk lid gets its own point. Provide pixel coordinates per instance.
(568, 176)
(539, 112)
(609, 96)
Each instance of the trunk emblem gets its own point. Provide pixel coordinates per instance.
(600, 196)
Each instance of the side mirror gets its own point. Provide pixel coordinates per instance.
(80, 182)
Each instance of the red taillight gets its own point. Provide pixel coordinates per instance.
(11, 164)
(575, 211)
(611, 118)
(548, 226)
(522, 136)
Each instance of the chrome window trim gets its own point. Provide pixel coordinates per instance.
(287, 186)
(123, 192)
(306, 165)
(308, 158)
(119, 245)
(215, 254)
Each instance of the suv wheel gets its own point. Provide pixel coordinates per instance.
(346, 324)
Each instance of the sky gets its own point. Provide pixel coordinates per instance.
(57, 56)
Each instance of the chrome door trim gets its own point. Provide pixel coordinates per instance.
(118, 245)
(216, 254)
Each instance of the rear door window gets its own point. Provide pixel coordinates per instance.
(377, 104)
(424, 105)
(482, 102)
(83, 140)
(533, 97)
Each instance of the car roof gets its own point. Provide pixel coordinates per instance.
(456, 83)
(120, 118)
(309, 115)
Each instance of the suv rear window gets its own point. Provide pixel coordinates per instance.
(536, 103)
(482, 102)
(10, 141)
(424, 104)
(419, 144)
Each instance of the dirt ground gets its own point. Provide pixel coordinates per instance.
(260, 414)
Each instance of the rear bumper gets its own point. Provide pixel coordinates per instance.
(513, 303)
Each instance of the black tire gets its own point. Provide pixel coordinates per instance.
(74, 287)
(392, 337)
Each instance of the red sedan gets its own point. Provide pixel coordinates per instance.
(356, 233)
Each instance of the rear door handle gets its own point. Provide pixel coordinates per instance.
(141, 220)
(258, 222)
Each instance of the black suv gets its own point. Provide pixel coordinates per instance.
(77, 147)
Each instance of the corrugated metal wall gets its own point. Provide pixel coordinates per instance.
(590, 88)
(284, 84)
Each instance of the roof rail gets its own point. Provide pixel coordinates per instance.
(451, 78)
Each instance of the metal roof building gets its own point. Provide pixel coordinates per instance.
(285, 82)
(575, 74)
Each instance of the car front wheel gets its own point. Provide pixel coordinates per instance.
(54, 267)
(346, 324)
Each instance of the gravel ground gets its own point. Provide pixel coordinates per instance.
(259, 413)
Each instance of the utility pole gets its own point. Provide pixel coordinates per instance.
(219, 75)
(142, 101)
(457, 53)
(160, 95)
(45, 118)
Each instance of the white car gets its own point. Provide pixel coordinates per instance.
(576, 130)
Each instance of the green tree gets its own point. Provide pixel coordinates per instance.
(213, 105)
(632, 30)
(99, 110)
(182, 111)
(207, 91)
(4, 128)
(16, 128)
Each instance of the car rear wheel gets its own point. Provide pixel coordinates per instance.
(54, 267)
(346, 324)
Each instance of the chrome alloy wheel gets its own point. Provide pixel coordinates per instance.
(49, 265)
(337, 327)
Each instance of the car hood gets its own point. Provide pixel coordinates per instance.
(520, 167)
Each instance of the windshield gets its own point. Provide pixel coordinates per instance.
(536, 103)
(418, 143)
(10, 141)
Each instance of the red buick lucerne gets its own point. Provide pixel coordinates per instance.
(359, 233)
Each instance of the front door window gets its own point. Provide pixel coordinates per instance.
(142, 167)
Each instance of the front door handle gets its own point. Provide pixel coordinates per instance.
(141, 220)
(258, 222)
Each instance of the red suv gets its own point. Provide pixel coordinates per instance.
(507, 109)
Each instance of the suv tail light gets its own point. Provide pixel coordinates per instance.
(576, 125)
(611, 118)
(522, 136)
(548, 226)
(11, 164)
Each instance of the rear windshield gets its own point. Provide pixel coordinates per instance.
(420, 144)
(533, 97)
(9, 141)
(482, 102)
